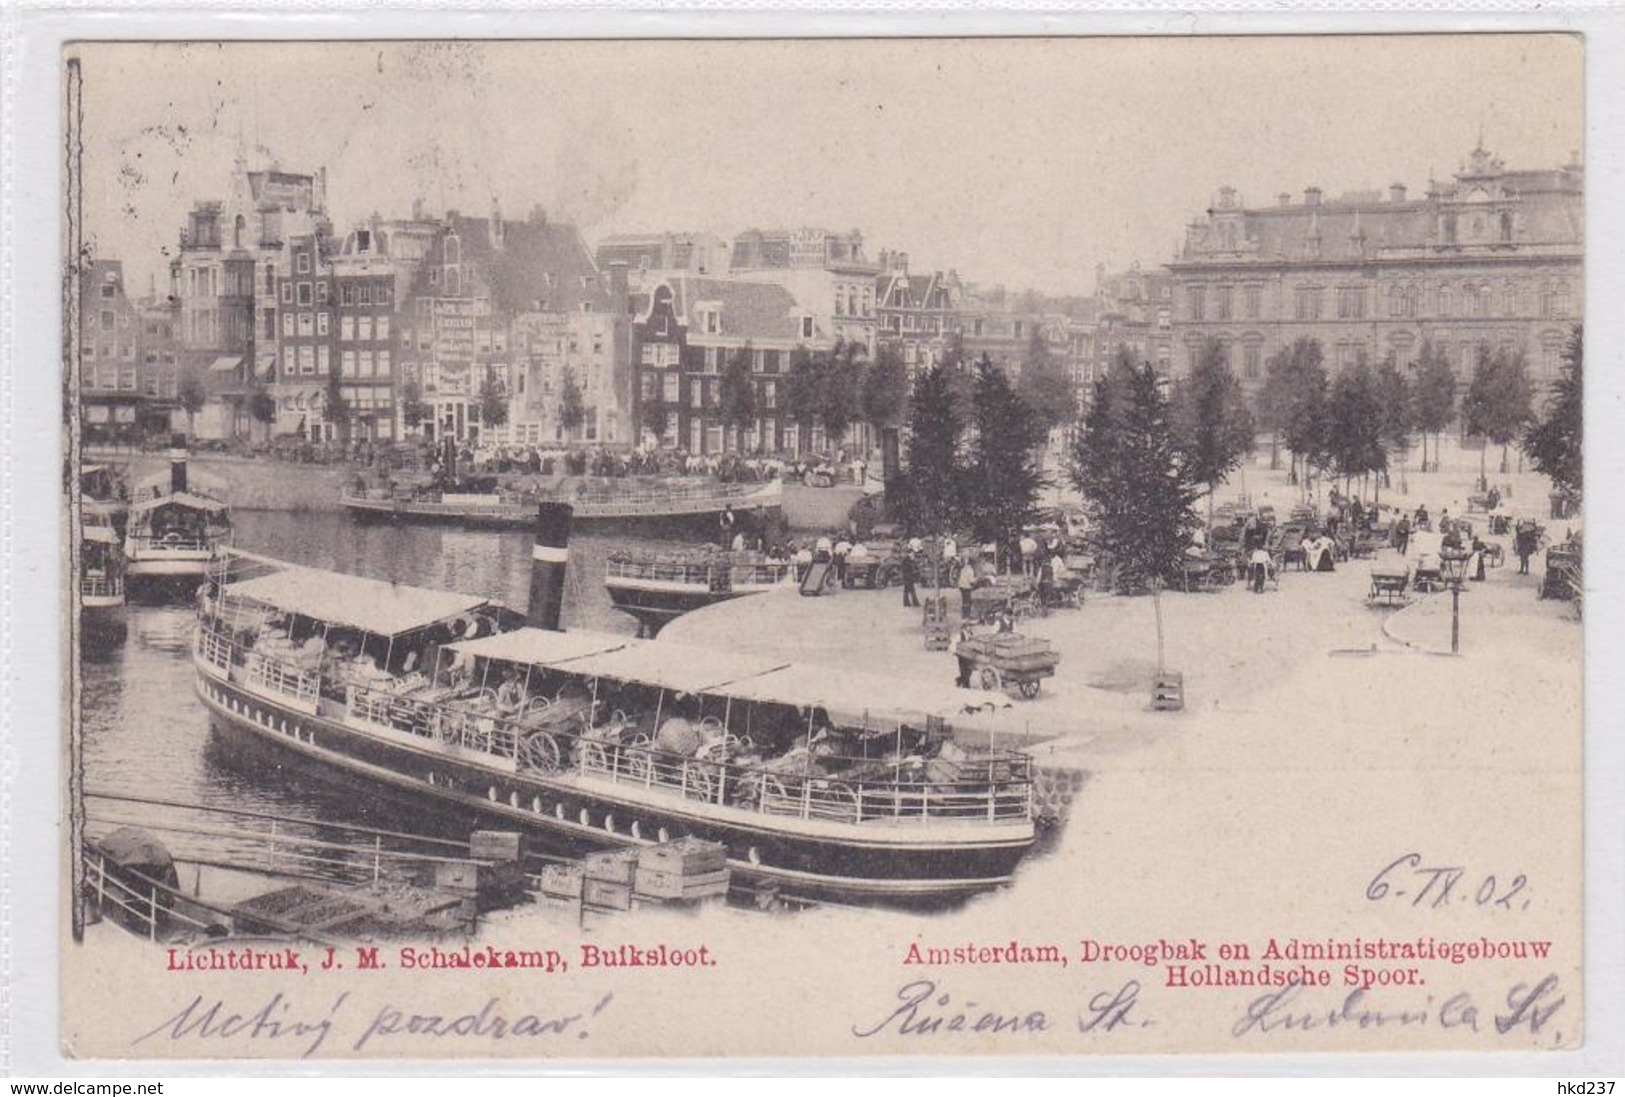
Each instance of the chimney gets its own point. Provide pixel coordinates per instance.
(1396, 192)
(417, 209)
(617, 285)
(1284, 198)
(549, 558)
(177, 464)
(1311, 196)
(320, 197)
(496, 223)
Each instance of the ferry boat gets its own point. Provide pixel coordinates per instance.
(696, 503)
(174, 535)
(101, 585)
(821, 783)
(655, 587)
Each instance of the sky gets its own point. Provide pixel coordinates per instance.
(1017, 161)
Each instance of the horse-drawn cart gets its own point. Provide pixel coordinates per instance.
(1008, 660)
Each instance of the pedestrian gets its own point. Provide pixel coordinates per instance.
(967, 663)
(725, 523)
(1402, 534)
(842, 549)
(911, 574)
(1046, 582)
(1258, 567)
(1029, 554)
(966, 583)
(1524, 544)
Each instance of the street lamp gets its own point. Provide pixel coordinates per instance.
(1453, 565)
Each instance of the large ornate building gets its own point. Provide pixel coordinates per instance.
(1493, 258)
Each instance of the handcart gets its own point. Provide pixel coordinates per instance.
(1013, 594)
(1389, 587)
(1008, 660)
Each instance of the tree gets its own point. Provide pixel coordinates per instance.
(1045, 384)
(840, 390)
(736, 391)
(1211, 419)
(1433, 399)
(191, 396)
(1293, 402)
(262, 407)
(493, 400)
(1394, 397)
(1498, 401)
(1003, 467)
(933, 480)
(1354, 423)
(885, 389)
(1553, 441)
(960, 372)
(572, 407)
(1132, 475)
(803, 389)
(414, 410)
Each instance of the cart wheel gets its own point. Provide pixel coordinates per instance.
(1029, 690)
(539, 751)
(990, 678)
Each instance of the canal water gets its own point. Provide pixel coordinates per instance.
(146, 734)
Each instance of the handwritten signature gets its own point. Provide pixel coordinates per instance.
(924, 1009)
(1529, 1008)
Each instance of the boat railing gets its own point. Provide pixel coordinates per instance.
(275, 675)
(705, 573)
(761, 573)
(171, 542)
(101, 586)
(815, 796)
(438, 721)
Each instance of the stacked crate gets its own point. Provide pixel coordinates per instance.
(607, 879)
(937, 628)
(683, 871)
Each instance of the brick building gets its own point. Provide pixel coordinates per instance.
(917, 312)
(1493, 257)
(128, 369)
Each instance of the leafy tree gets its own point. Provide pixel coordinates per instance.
(1003, 460)
(1132, 475)
(1354, 423)
(1433, 398)
(572, 407)
(960, 372)
(262, 407)
(414, 410)
(1553, 441)
(1293, 402)
(1395, 397)
(1045, 384)
(1498, 402)
(803, 388)
(885, 389)
(840, 390)
(736, 391)
(933, 479)
(493, 400)
(1211, 419)
(191, 396)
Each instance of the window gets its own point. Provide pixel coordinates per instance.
(301, 262)
(365, 364)
(306, 325)
(1198, 302)
(347, 364)
(304, 293)
(454, 281)
(346, 329)
(669, 391)
(321, 323)
(1308, 304)
(324, 359)
(806, 327)
(347, 295)
(1252, 357)
(383, 368)
(696, 394)
(712, 324)
(109, 290)
(1562, 301)
(307, 359)
(770, 361)
(364, 294)
(321, 292)
(363, 329)
(1224, 296)
(1351, 303)
(287, 325)
(770, 394)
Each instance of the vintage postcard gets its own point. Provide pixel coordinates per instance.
(915, 547)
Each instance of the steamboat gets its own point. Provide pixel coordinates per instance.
(655, 587)
(174, 535)
(820, 783)
(102, 621)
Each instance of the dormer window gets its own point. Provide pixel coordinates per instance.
(806, 327)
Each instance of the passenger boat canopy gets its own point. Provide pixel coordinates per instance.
(857, 699)
(181, 499)
(539, 647)
(100, 534)
(370, 605)
(676, 667)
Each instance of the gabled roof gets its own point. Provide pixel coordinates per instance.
(538, 261)
(750, 310)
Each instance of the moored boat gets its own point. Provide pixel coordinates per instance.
(819, 782)
(655, 587)
(101, 586)
(174, 535)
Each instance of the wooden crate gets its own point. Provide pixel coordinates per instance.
(562, 881)
(496, 845)
(612, 867)
(606, 895)
(657, 884)
(685, 856)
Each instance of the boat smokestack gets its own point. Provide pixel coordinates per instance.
(548, 559)
(177, 464)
